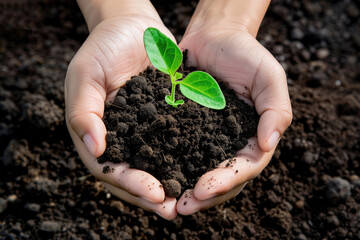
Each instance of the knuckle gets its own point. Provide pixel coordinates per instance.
(72, 120)
(76, 65)
(288, 115)
(279, 71)
(272, 67)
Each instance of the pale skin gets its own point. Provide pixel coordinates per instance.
(221, 40)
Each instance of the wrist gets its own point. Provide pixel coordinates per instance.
(96, 11)
(239, 15)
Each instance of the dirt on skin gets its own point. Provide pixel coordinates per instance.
(177, 144)
(310, 189)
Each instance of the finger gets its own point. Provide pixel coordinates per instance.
(271, 97)
(84, 100)
(248, 163)
(166, 209)
(189, 204)
(135, 181)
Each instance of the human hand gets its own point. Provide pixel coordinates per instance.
(233, 55)
(113, 52)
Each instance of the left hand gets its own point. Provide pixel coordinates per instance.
(236, 57)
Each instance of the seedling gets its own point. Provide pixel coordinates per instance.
(198, 86)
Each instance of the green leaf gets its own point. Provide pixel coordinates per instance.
(179, 102)
(163, 53)
(202, 88)
(178, 75)
(174, 104)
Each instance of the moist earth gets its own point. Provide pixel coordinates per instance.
(309, 190)
(177, 144)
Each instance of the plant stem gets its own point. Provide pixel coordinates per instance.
(173, 84)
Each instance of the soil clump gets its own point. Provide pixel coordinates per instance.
(178, 144)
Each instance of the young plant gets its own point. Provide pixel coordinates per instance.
(198, 86)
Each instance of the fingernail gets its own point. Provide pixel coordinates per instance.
(90, 143)
(273, 140)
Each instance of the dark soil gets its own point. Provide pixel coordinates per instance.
(178, 144)
(310, 189)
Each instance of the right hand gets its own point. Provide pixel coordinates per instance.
(113, 52)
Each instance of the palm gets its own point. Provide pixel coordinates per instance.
(233, 58)
(118, 45)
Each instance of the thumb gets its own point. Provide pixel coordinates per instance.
(85, 95)
(272, 102)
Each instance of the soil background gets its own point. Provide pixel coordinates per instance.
(310, 190)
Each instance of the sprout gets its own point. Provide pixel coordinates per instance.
(198, 86)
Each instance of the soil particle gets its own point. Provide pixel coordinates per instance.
(117, 205)
(122, 129)
(322, 53)
(301, 237)
(140, 162)
(240, 144)
(93, 235)
(348, 106)
(32, 208)
(120, 101)
(146, 151)
(107, 169)
(12, 198)
(147, 112)
(309, 158)
(83, 227)
(297, 34)
(3, 205)
(17, 154)
(300, 204)
(5, 130)
(338, 189)
(50, 227)
(233, 127)
(135, 99)
(231, 162)
(355, 184)
(42, 113)
(172, 187)
(8, 110)
(279, 219)
(42, 188)
(139, 82)
(333, 221)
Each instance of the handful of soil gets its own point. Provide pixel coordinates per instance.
(175, 145)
